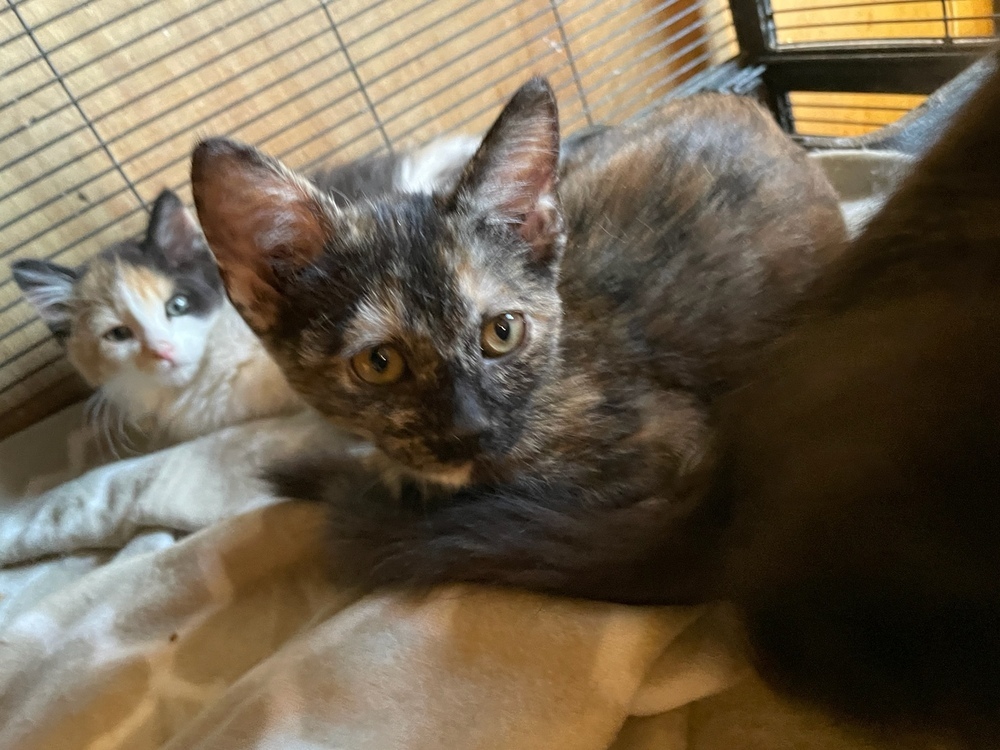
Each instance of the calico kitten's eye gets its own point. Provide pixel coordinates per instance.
(177, 305)
(379, 365)
(503, 334)
(119, 333)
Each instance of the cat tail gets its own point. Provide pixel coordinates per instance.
(537, 536)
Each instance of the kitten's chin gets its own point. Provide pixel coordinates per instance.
(176, 376)
(452, 477)
(457, 476)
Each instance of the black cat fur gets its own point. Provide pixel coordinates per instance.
(861, 460)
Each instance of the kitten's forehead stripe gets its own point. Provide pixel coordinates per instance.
(378, 317)
(144, 294)
(386, 274)
(485, 291)
(146, 284)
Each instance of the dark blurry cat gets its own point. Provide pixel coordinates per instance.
(533, 356)
(863, 460)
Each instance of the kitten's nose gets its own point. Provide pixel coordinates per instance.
(469, 420)
(162, 350)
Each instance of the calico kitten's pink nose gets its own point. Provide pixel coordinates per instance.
(162, 351)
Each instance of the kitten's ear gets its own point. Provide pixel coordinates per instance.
(173, 230)
(48, 287)
(262, 223)
(513, 174)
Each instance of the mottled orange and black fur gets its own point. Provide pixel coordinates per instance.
(640, 268)
(862, 461)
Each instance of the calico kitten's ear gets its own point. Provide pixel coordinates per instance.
(48, 287)
(513, 174)
(173, 230)
(262, 223)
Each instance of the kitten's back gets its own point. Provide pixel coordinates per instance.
(711, 219)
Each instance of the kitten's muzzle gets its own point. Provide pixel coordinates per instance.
(458, 448)
(164, 352)
(157, 357)
(463, 437)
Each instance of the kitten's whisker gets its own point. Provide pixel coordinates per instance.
(109, 416)
(121, 434)
(94, 414)
(127, 437)
(109, 425)
(92, 405)
(98, 427)
(104, 422)
(333, 191)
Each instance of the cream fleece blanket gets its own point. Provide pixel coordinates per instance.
(233, 637)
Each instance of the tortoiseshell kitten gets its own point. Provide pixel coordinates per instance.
(533, 358)
(862, 459)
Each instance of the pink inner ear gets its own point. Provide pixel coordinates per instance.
(543, 222)
(514, 172)
(255, 216)
(182, 228)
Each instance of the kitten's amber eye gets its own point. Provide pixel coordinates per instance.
(119, 333)
(177, 305)
(503, 334)
(379, 365)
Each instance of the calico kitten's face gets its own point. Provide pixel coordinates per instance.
(140, 312)
(422, 323)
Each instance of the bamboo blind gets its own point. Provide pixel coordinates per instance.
(102, 101)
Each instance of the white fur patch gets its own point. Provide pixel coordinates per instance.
(428, 168)
(282, 225)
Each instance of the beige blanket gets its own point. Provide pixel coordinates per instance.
(232, 637)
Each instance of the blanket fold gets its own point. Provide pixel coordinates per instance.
(234, 638)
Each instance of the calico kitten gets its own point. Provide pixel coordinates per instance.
(147, 323)
(862, 461)
(542, 411)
